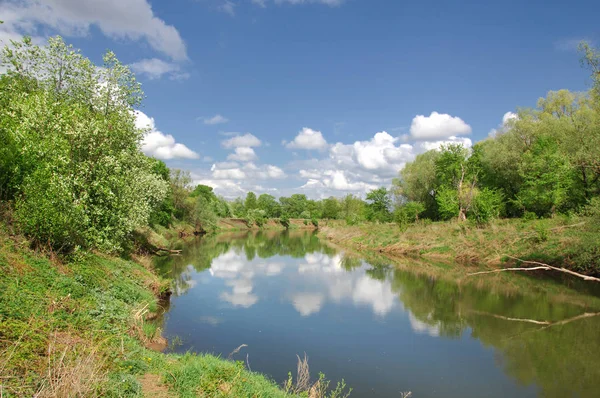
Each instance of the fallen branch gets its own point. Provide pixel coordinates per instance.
(541, 267)
(162, 249)
(513, 319)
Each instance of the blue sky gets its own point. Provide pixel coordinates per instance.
(320, 96)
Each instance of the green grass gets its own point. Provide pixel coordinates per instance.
(76, 328)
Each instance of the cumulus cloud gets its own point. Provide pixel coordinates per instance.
(356, 287)
(308, 139)
(154, 68)
(235, 171)
(438, 125)
(421, 327)
(246, 140)
(132, 20)
(216, 119)
(506, 119)
(160, 145)
(363, 165)
(308, 303)
(242, 154)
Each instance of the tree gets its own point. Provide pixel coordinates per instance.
(205, 191)
(250, 202)
(76, 174)
(269, 205)
(456, 174)
(352, 209)
(379, 205)
(331, 208)
(417, 182)
(547, 179)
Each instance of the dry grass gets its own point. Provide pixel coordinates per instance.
(74, 368)
(319, 389)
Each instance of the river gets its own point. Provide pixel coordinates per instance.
(384, 328)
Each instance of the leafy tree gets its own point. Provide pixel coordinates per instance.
(546, 177)
(76, 174)
(294, 205)
(379, 205)
(269, 205)
(417, 182)
(331, 208)
(408, 213)
(487, 205)
(250, 203)
(205, 191)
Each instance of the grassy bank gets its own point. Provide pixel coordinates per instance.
(571, 242)
(82, 327)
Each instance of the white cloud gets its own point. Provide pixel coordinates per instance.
(308, 303)
(308, 139)
(160, 145)
(216, 119)
(242, 154)
(422, 327)
(246, 140)
(155, 68)
(438, 125)
(506, 119)
(247, 172)
(363, 165)
(132, 20)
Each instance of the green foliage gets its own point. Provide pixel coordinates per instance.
(331, 208)
(269, 205)
(447, 200)
(417, 182)
(379, 204)
(487, 205)
(250, 203)
(547, 178)
(408, 213)
(90, 187)
(285, 221)
(257, 217)
(315, 222)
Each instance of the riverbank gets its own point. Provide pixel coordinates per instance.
(83, 326)
(570, 242)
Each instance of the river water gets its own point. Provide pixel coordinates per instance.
(383, 328)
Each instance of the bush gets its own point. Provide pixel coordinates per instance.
(82, 180)
(447, 200)
(285, 221)
(487, 205)
(305, 222)
(315, 222)
(353, 219)
(529, 216)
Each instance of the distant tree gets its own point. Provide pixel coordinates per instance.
(269, 205)
(205, 191)
(331, 208)
(250, 203)
(417, 182)
(379, 205)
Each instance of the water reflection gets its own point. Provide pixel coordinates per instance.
(284, 293)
